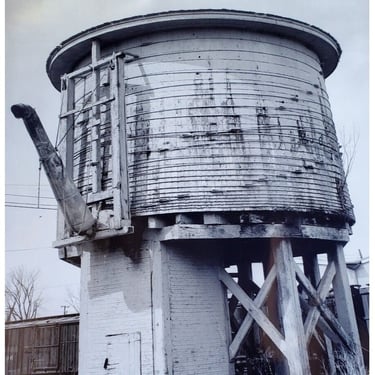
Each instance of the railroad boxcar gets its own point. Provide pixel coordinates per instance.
(42, 346)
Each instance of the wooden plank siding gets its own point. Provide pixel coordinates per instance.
(220, 119)
(42, 346)
(229, 120)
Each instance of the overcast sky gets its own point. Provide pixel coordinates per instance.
(34, 28)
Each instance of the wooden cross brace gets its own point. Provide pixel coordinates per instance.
(319, 308)
(254, 311)
(287, 272)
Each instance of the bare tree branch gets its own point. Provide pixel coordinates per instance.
(349, 144)
(22, 298)
(73, 299)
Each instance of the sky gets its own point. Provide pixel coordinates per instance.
(34, 28)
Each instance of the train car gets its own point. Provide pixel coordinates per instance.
(42, 346)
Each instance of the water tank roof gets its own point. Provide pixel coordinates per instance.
(65, 57)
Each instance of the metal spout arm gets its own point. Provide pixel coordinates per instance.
(70, 201)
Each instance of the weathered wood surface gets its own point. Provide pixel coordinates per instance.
(93, 141)
(225, 231)
(326, 313)
(229, 120)
(248, 320)
(64, 145)
(120, 180)
(94, 122)
(321, 295)
(288, 301)
(344, 304)
(42, 346)
(224, 120)
(253, 308)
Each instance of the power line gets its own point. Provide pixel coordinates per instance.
(28, 249)
(30, 204)
(27, 196)
(31, 207)
(45, 185)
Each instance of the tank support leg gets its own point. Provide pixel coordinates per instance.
(289, 306)
(344, 304)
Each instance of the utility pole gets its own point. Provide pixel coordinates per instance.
(65, 308)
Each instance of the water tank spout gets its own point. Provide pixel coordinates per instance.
(69, 199)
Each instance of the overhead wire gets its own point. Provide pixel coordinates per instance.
(27, 196)
(85, 97)
(45, 185)
(28, 249)
(24, 202)
(31, 207)
(39, 176)
(30, 203)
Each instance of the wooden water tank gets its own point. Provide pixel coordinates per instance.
(226, 111)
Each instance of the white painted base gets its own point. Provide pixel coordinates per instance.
(164, 313)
